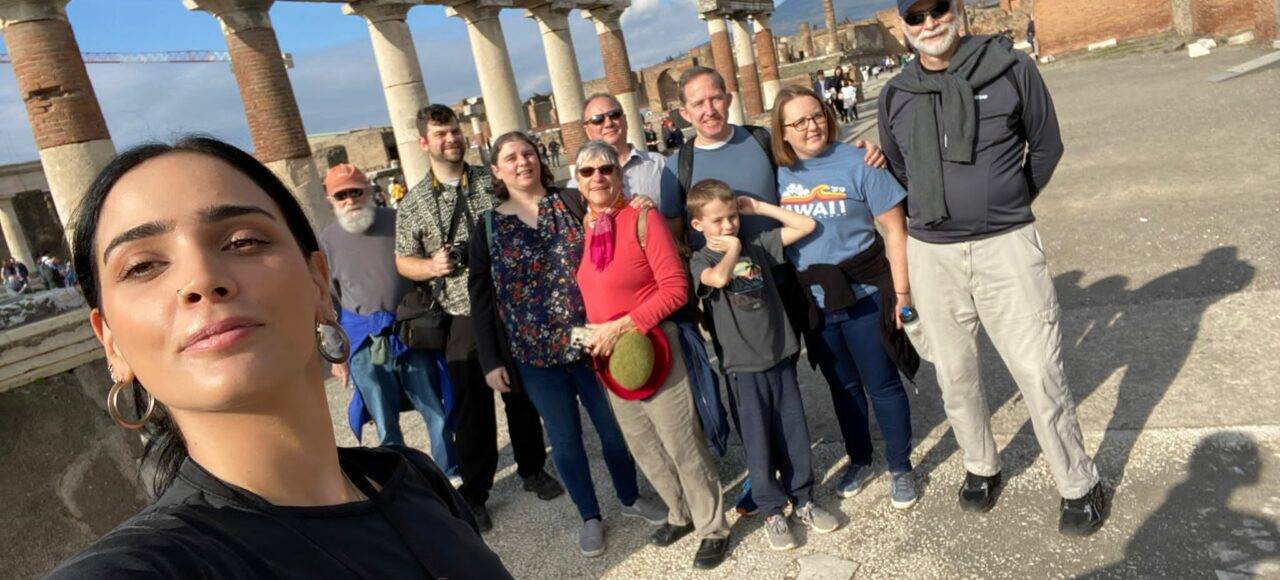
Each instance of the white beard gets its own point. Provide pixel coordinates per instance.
(357, 221)
(941, 46)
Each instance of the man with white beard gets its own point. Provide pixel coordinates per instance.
(970, 130)
(360, 248)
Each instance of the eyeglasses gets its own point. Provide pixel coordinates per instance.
(346, 194)
(587, 172)
(817, 118)
(615, 114)
(938, 11)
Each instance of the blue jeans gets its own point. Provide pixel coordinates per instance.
(856, 366)
(415, 374)
(553, 391)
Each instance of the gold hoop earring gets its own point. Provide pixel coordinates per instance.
(113, 407)
(341, 351)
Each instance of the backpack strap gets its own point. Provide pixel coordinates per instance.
(642, 227)
(487, 216)
(574, 202)
(684, 169)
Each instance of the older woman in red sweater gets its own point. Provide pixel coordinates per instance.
(632, 279)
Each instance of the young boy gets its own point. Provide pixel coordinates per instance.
(758, 350)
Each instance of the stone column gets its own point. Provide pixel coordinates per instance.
(1181, 10)
(748, 78)
(806, 40)
(829, 18)
(401, 76)
(562, 64)
(722, 55)
(766, 60)
(61, 106)
(617, 68)
(14, 237)
(275, 125)
(493, 65)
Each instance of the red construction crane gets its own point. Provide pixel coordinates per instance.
(179, 56)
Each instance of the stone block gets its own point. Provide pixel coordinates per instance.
(1207, 43)
(1197, 50)
(1242, 38)
(1108, 43)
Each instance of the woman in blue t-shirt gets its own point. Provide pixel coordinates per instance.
(850, 276)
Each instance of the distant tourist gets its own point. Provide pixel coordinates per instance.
(553, 149)
(14, 268)
(975, 255)
(212, 327)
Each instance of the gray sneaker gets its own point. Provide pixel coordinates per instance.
(854, 479)
(591, 538)
(818, 519)
(649, 510)
(904, 490)
(779, 533)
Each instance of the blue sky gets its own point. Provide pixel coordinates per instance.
(335, 78)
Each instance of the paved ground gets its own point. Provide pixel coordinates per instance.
(1160, 225)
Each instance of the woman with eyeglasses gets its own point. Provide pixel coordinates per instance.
(857, 281)
(525, 305)
(209, 295)
(633, 280)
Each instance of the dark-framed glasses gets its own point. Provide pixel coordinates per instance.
(346, 194)
(938, 11)
(614, 114)
(800, 124)
(588, 171)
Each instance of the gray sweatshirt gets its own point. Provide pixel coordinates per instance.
(1017, 147)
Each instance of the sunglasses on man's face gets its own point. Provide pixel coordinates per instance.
(587, 172)
(938, 11)
(599, 119)
(346, 194)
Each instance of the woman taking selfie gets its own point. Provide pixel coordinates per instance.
(209, 295)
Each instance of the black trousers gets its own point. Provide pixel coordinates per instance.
(476, 428)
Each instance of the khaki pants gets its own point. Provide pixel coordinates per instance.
(1004, 284)
(666, 439)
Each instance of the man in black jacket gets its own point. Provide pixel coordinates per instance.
(970, 130)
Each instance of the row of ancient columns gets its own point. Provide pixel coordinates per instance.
(748, 64)
(74, 143)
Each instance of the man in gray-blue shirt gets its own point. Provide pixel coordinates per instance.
(970, 131)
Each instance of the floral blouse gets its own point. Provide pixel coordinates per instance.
(533, 275)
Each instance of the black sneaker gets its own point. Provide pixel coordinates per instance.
(669, 534)
(711, 553)
(978, 494)
(542, 484)
(481, 513)
(1081, 517)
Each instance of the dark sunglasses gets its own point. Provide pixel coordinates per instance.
(938, 11)
(587, 172)
(346, 194)
(599, 119)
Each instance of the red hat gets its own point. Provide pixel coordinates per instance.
(344, 176)
(661, 368)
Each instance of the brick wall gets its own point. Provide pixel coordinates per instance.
(274, 122)
(722, 54)
(1223, 16)
(54, 84)
(1265, 15)
(766, 55)
(1064, 25)
(617, 65)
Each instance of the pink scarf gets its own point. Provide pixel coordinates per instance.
(604, 235)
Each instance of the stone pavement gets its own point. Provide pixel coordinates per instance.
(1160, 228)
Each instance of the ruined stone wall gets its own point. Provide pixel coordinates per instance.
(1065, 25)
(1227, 16)
(368, 149)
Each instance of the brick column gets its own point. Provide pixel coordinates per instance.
(14, 237)
(748, 78)
(806, 40)
(829, 18)
(617, 68)
(493, 65)
(275, 125)
(566, 80)
(722, 55)
(766, 60)
(61, 106)
(401, 76)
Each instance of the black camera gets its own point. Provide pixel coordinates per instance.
(458, 256)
